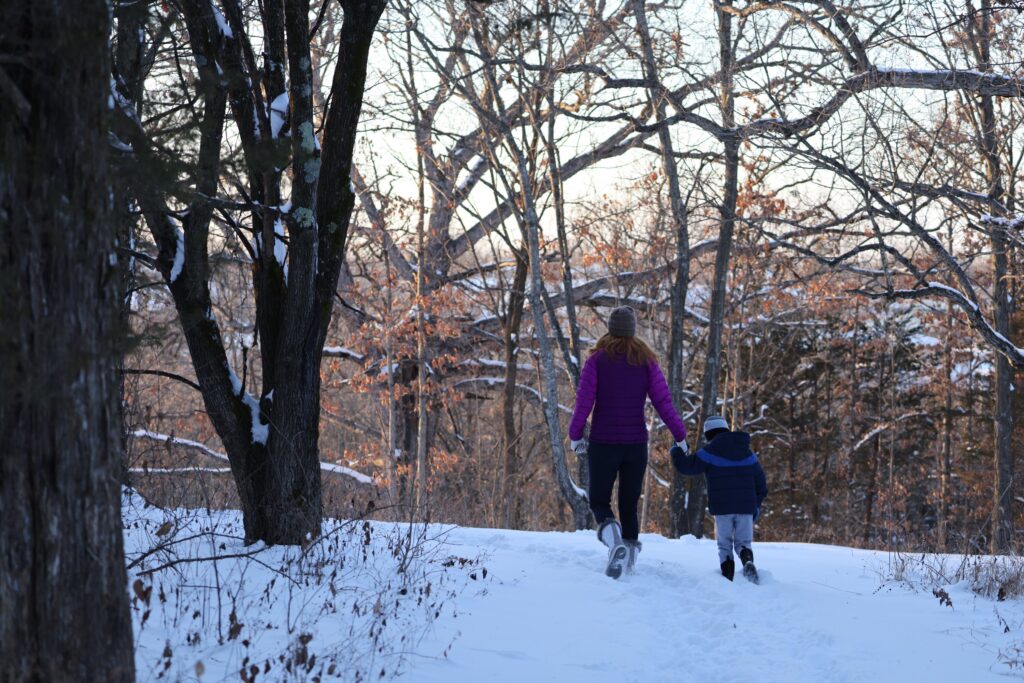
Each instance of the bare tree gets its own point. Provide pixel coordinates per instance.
(272, 439)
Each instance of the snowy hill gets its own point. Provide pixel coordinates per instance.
(443, 604)
(822, 613)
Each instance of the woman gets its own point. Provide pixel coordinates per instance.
(621, 372)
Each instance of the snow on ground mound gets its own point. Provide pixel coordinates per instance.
(372, 601)
(822, 613)
(353, 606)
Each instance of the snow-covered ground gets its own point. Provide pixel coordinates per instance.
(493, 605)
(821, 613)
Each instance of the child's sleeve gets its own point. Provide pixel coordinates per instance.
(687, 464)
(760, 483)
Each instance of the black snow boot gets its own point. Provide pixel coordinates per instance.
(747, 559)
(728, 568)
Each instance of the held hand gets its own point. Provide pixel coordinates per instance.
(683, 446)
(579, 446)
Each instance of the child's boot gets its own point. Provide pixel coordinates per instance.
(749, 570)
(728, 568)
(610, 534)
(634, 549)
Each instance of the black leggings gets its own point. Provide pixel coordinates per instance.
(628, 462)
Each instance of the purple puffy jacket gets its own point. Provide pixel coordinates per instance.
(617, 392)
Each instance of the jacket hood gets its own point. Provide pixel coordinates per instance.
(731, 446)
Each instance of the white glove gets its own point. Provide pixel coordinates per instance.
(685, 448)
(579, 446)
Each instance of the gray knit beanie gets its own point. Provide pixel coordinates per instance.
(715, 422)
(622, 322)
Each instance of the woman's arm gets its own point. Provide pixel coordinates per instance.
(586, 394)
(661, 397)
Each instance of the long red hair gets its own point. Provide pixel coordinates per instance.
(637, 351)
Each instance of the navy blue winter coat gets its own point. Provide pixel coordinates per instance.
(736, 483)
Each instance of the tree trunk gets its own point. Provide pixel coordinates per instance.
(679, 520)
(511, 481)
(712, 366)
(573, 495)
(271, 439)
(1002, 509)
(62, 573)
(945, 455)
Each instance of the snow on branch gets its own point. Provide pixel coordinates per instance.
(1013, 353)
(528, 390)
(179, 470)
(342, 352)
(206, 450)
(885, 426)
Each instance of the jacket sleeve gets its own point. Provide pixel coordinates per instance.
(661, 397)
(760, 483)
(687, 464)
(586, 394)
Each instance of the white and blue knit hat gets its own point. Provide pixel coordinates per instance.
(715, 422)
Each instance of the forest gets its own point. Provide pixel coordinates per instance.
(317, 259)
(811, 208)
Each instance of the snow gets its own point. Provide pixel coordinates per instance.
(179, 256)
(179, 470)
(173, 440)
(924, 340)
(353, 604)
(513, 606)
(492, 363)
(167, 438)
(339, 469)
(343, 352)
(821, 613)
(954, 292)
(278, 112)
(280, 250)
(222, 23)
(492, 381)
(260, 430)
(472, 170)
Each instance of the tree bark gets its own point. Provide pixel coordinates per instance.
(681, 486)
(712, 365)
(511, 479)
(65, 610)
(1002, 509)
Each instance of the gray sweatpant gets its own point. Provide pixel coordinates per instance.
(733, 531)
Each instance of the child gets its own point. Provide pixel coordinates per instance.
(736, 488)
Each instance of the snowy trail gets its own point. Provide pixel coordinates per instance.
(822, 613)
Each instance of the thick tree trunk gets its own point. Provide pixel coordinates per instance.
(62, 574)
